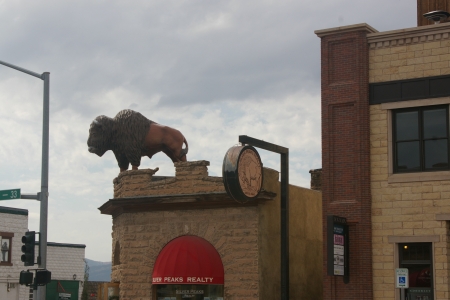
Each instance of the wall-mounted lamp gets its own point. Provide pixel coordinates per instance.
(74, 276)
(437, 16)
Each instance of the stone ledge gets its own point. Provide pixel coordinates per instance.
(408, 36)
(344, 29)
(188, 164)
(202, 200)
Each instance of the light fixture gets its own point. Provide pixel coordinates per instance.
(437, 16)
(74, 276)
(405, 247)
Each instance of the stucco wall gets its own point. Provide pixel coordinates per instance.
(409, 206)
(64, 261)
(305, 242)
(16, 223)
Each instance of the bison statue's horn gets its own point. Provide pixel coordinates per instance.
(96, 122)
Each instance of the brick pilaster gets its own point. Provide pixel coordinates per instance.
(346, 153)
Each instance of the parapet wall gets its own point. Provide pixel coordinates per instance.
(190, 177)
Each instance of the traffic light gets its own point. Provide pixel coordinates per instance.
(28, 240)
(43, 277)
(26, 278)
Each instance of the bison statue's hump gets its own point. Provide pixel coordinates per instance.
(130, 136)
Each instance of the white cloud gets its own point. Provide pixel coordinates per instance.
(212, 69)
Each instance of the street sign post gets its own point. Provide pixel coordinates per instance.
(10, 194)
(401, 278)
(43, 195)
(401, 281)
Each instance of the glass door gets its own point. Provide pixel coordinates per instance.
(417, 258)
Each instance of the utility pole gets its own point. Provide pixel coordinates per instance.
(43, 195)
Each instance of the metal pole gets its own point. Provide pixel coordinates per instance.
(44, 182)
(43, 195)
(284, 206)
(284, 226)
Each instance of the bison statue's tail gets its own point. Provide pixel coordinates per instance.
(184, 151)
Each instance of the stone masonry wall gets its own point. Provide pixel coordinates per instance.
(233, 232)
(141, 236)
(190, 177)
(414, 53)
(406, 208)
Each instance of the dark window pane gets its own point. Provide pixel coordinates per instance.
(407, 125)
(416, 257)
(436, 156)
(408, 156)
(419, 275)
(435, 123)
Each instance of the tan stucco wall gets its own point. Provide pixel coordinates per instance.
(406, 208)
(305, 242)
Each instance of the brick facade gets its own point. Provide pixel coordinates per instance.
(345, 153)
(403, 207)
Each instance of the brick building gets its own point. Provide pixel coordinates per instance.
(65, 261)
(385, 155)
(154, 216)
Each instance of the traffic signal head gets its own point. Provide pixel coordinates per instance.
(26, 278)
(43, 277)
(28, 240)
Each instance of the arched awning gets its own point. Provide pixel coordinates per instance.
(188, 260)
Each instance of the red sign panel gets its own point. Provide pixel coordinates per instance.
(339, 239)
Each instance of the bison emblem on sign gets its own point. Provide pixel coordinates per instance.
(130, 136)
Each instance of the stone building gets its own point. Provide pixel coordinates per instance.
(233, 249)
(65, 261)
(385, 155)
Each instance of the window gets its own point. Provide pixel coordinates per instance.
(5, 247)
(421, 139)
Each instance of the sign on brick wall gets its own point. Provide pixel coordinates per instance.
(337, 247)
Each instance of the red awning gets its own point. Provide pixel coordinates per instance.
(188, 260)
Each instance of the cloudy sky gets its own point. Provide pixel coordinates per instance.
(212, 69)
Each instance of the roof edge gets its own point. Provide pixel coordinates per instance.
(344, 29)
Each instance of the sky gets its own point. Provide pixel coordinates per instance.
(212, 69)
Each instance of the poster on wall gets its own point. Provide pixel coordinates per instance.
(337, 247)
(64, 296)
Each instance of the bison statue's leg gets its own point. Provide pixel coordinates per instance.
(122, 161)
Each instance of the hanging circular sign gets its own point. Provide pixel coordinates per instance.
(242, 173)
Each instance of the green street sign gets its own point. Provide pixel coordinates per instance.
(10, 194)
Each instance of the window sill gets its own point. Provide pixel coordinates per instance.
(420, 176)
(5, 264)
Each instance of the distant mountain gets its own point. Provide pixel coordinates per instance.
(99, 271)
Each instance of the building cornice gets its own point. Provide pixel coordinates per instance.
(407, 36)
(208, 200)
(345, 29)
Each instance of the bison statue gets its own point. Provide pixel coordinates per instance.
(130, 136)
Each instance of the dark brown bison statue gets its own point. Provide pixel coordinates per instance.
(130, 136)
